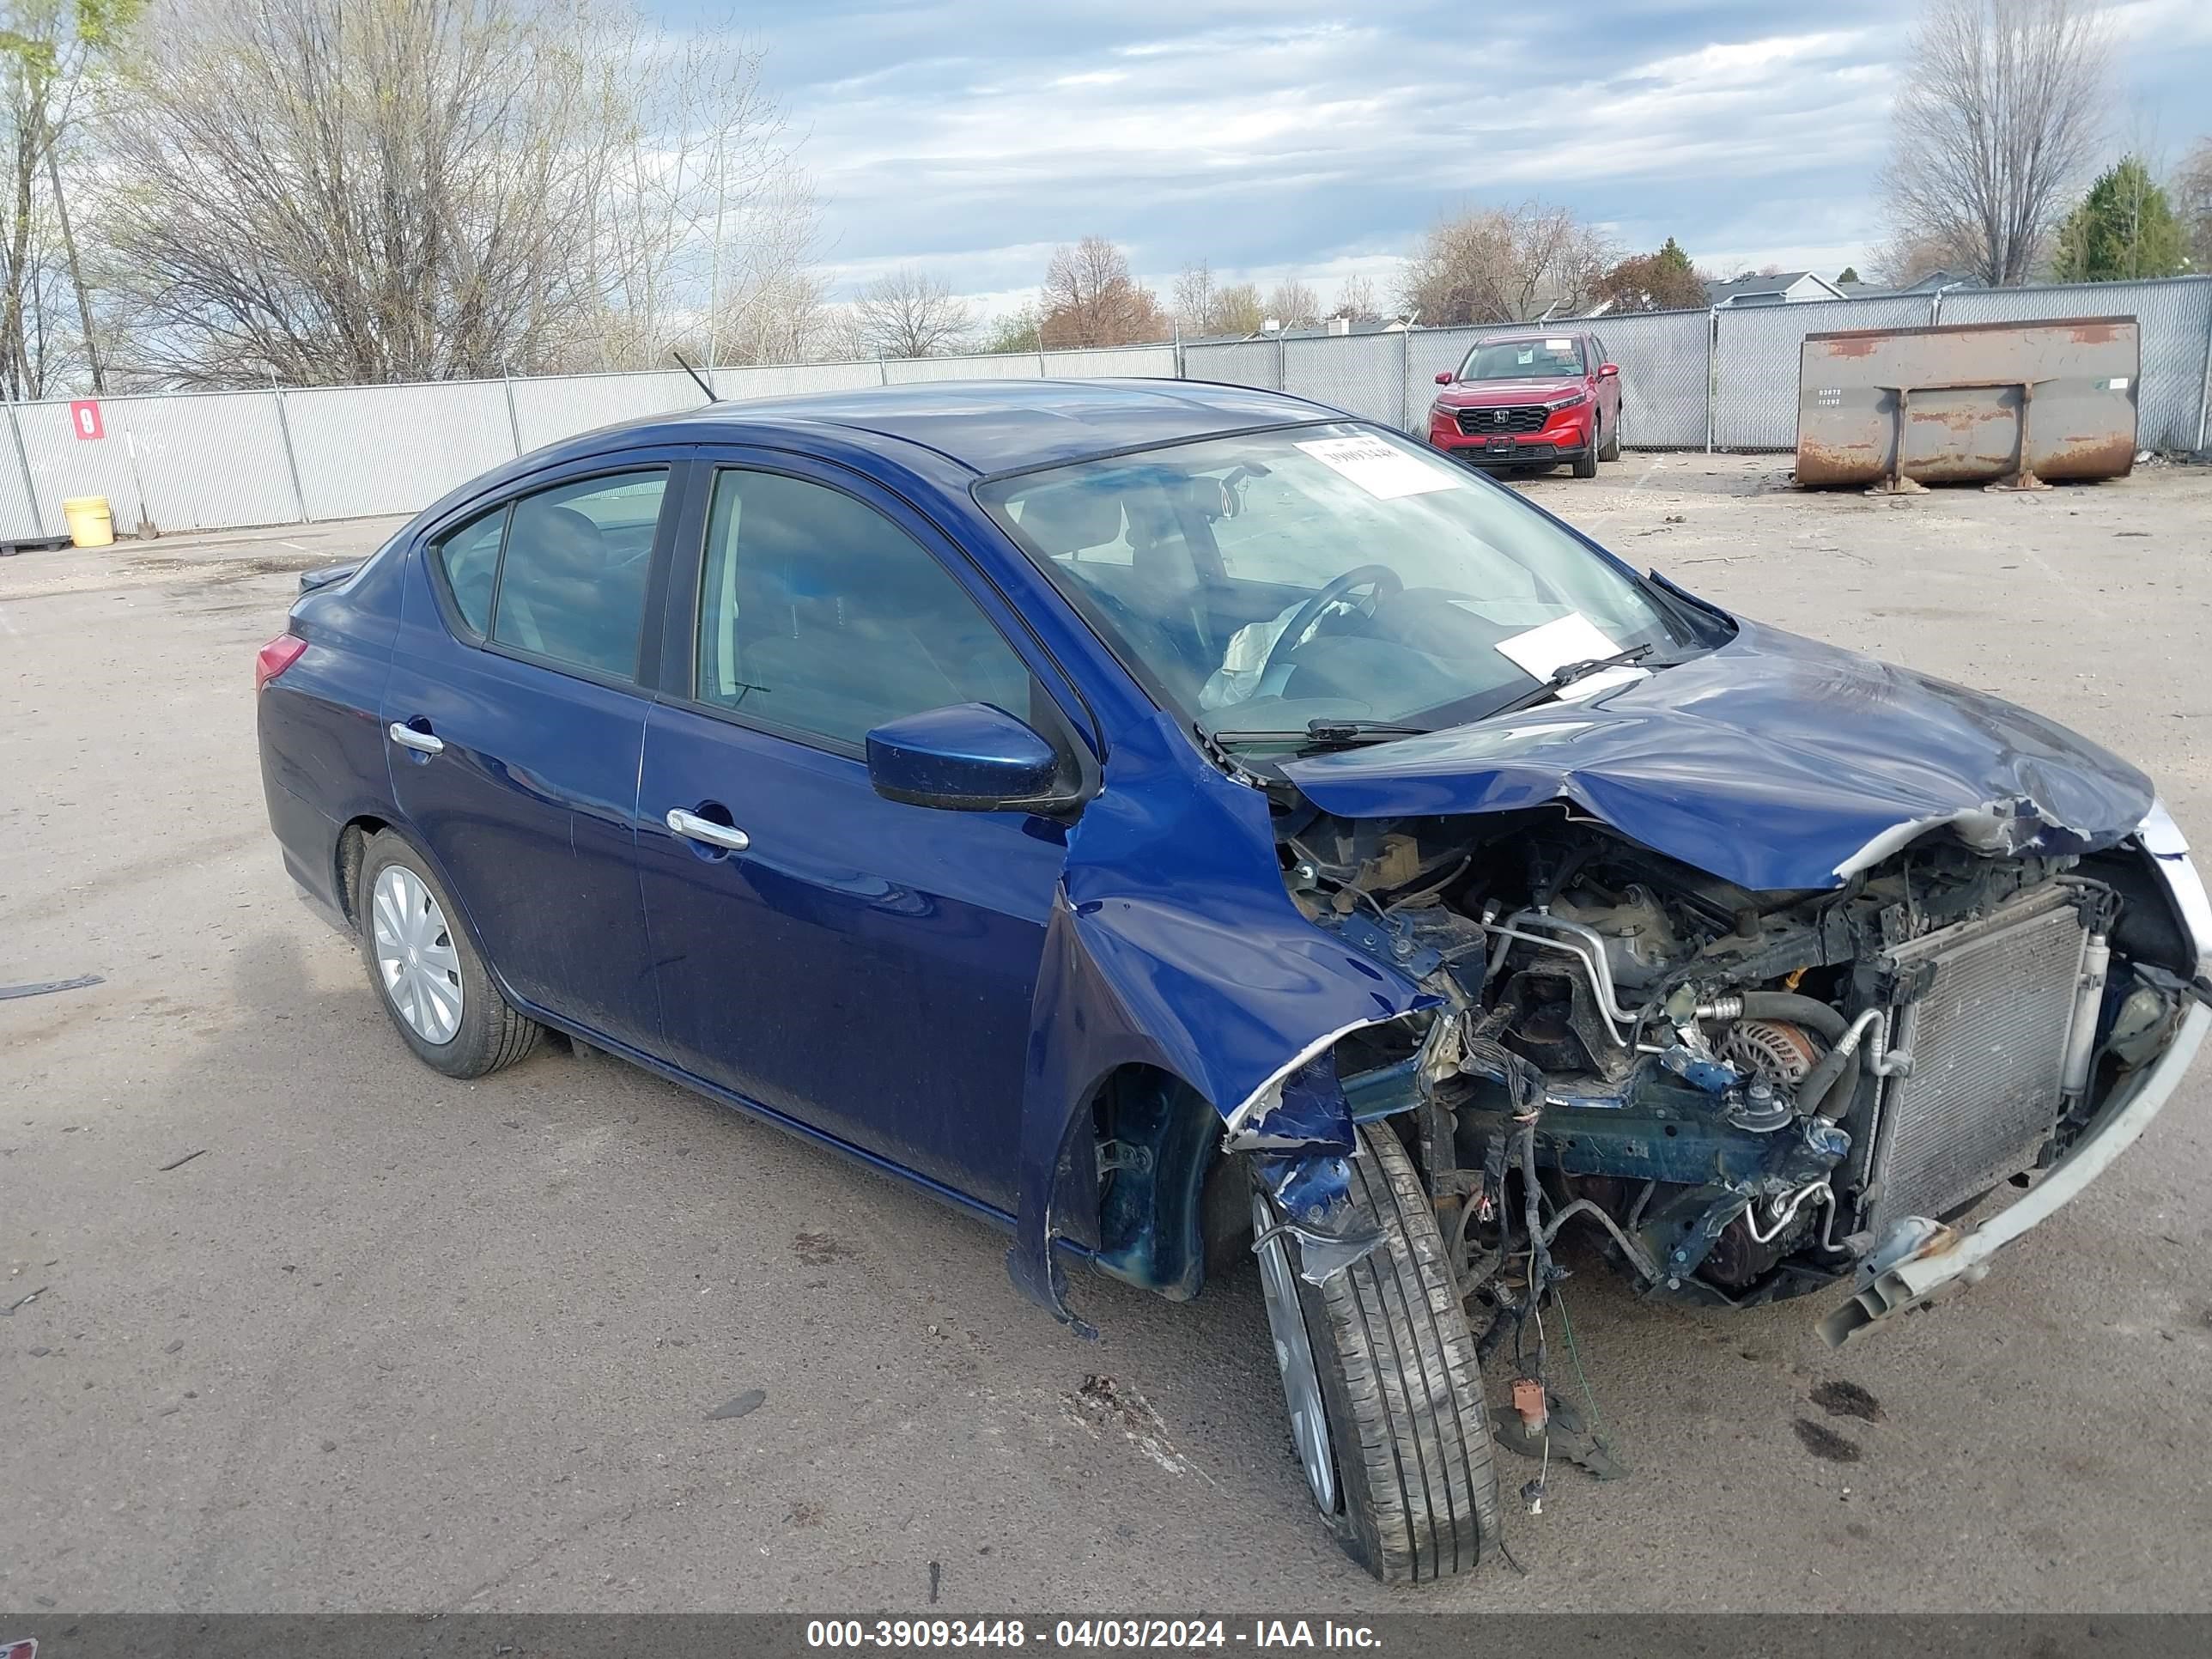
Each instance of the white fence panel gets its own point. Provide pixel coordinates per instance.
(794, 380)
(560, 406)
(63, 464)
(19, 519)
(1151, 362)
(365, 450)
(196, 461)
(990, 366)
(2174, 323)
(213, 460)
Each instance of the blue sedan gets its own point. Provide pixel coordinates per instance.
(1179, 823)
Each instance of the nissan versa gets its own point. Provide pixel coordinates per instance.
(1172, 821)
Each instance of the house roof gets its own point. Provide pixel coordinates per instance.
(1754, 286)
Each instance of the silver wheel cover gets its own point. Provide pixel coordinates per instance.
(1294, 1357)
(416, 958)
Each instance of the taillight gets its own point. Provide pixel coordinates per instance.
(279, 654)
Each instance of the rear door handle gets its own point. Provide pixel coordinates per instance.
(692, 827)
(421, 742)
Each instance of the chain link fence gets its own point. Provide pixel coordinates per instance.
(2175, 318)
(1755, 351)
(1725, 379)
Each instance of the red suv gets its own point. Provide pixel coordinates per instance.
(1531, 398)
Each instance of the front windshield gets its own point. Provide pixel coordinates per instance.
(1524, 360)
(1325, 573)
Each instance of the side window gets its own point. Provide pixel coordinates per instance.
(571, 580)
(819, 613)
(470, 558)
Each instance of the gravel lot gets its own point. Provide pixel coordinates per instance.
(388, 1340)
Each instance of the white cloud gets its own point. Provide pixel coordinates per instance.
(1280, 139)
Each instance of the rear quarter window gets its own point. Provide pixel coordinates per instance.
(469, 561)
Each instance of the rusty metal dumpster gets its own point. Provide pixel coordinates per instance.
(2015, 404)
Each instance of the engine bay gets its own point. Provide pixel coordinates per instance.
(1742, 1092)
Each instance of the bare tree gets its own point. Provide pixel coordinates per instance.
(1904, 259)
(1292, 304)
(1355, 299)
(1505, 264)
(1090, 299)
(1999, 117)
(1193, 300)
(908, 312)
(315, 192)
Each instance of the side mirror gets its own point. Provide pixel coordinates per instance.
(966, 757)
(1444, 379)
(1608, 371)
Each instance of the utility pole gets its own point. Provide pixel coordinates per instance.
(77, 273)
(714, 262)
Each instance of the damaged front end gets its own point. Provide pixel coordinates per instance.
(1749, 1094)
(1761, 1023)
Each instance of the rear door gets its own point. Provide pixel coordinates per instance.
(514, 720)
(861, 966)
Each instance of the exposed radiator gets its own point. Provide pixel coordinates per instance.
(1988, 1038)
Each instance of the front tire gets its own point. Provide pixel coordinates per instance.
(1612, 450)
(1586, 462)
(426, 970)
(1397, 1445)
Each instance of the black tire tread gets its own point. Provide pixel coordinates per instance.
(1419, 1492)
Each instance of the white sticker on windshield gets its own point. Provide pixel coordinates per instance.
(1559, 345)
(1383, 470)
(1542, 652)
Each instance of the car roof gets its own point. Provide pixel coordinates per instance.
(990, 426)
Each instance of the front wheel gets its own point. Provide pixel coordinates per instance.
(1612, 450)
(1380, 1375)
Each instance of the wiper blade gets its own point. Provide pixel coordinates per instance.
(1332, 732)
(1568, 672)
(1344, 731)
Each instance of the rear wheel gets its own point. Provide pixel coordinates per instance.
(1380, 1375)
(433, 983)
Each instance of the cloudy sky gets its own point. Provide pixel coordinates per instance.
(1278, 137)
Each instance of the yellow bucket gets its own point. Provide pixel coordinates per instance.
(90, 524)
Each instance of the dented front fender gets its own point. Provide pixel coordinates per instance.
(1173, 944)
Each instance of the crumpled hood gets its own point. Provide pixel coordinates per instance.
(1494, 394)
(1774, 763)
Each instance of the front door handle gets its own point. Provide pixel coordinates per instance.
(692, 827)
(421, 742)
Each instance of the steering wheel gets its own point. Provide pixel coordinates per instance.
(1384, 580)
